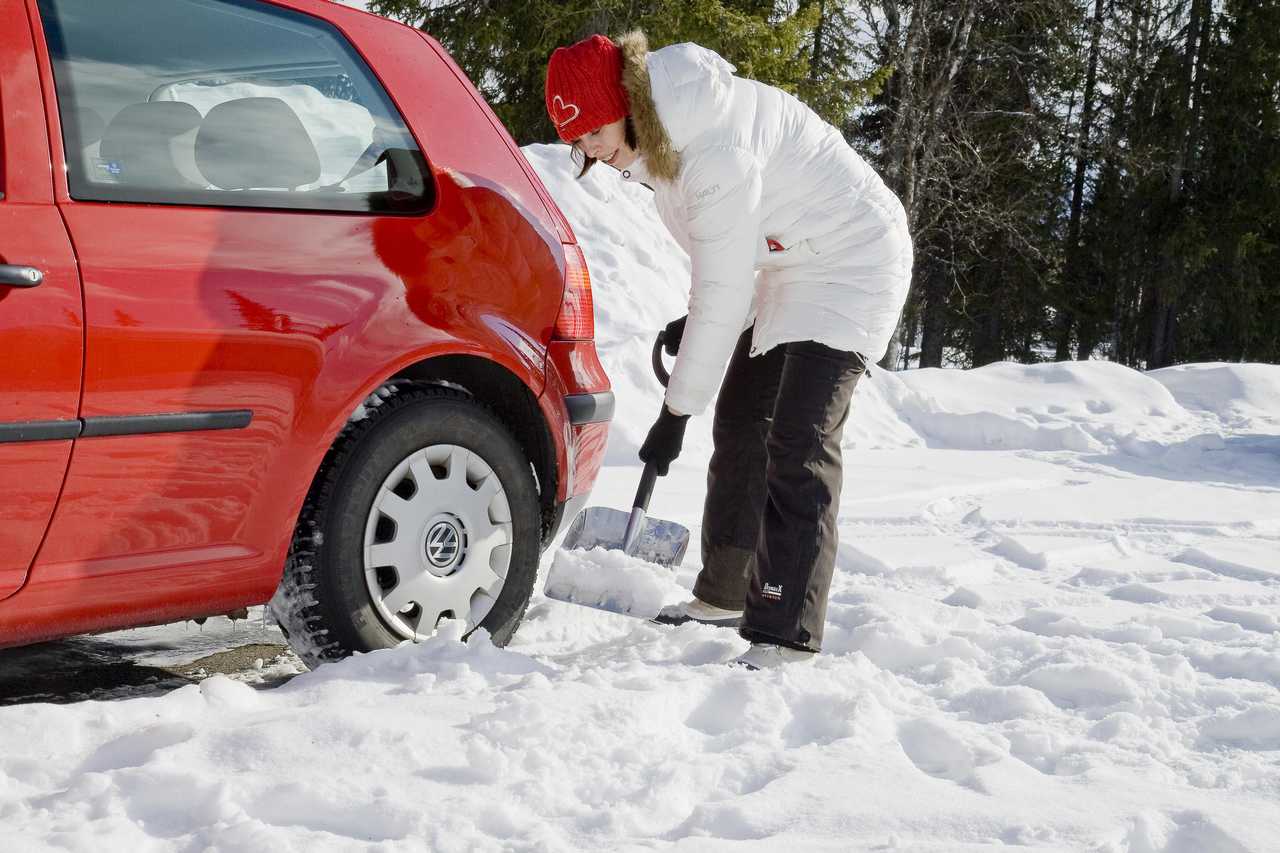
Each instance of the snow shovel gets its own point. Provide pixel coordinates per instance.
(620, 586)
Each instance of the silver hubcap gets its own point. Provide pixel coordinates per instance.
(438, 541)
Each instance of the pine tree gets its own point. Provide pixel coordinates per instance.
(1231, 310)
(1011, 110)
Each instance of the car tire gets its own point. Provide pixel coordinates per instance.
(406, 526)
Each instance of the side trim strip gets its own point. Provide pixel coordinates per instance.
(39, 431)
(147, 424)
(126, 425)
(589, 408)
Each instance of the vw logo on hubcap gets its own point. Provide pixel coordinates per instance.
(443, 544)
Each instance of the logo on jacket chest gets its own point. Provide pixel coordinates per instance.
(703, 195)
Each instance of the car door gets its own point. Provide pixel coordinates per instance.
(41, 328)
(227, 161)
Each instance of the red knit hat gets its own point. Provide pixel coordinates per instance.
(584, 87)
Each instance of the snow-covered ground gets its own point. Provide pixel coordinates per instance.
(1055, 624)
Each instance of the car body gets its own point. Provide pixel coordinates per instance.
(204, 332)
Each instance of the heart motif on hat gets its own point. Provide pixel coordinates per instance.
(562, 107)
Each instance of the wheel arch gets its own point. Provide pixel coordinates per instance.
(494, 386)
(515, 404)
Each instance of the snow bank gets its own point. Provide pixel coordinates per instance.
(1081, 406)
(1239, 394)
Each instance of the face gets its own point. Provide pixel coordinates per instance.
(608, 144)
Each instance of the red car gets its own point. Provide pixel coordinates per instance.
(284, 315)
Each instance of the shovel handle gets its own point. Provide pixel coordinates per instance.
(635, 524)
(660, 369)
(650, 475)
(647, 479)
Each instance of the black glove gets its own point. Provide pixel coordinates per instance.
(673, 334)
(664, 441)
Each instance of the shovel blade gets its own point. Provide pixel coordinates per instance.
(662, 542)
(592, 569)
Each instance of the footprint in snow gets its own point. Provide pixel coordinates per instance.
(724, 711)
(939, 752)
(1181, 832)
(294, 804)
(136, 748)
(740, 710)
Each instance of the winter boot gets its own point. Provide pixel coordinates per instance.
(697, 610)
(768, 656)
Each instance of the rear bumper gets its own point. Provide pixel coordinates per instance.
(578, 404)
(589, 408)
(589, 414)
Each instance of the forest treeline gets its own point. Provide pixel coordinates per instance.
(1083, 178)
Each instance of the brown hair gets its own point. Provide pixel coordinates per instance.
(629, 133)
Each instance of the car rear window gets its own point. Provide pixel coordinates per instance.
(225, 103)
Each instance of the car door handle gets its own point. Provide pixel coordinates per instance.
(12, 275)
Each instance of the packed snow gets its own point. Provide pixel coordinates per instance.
(1055, 624)
(610, 579)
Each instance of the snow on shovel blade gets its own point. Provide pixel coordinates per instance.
(612, 581)
(592, 569)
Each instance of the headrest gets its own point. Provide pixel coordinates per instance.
(141, 123)
(137, 142)
(255, 143)
(86, 127)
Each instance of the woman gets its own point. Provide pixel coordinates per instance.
(748, 179)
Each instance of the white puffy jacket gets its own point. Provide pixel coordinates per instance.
(756, 165)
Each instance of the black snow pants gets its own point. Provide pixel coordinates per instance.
(773, 489)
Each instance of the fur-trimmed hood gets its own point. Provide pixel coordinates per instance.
(661, 157)
(677, 93)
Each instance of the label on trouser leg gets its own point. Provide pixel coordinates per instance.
(771, 591)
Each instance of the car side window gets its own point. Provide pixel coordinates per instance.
(225, 103)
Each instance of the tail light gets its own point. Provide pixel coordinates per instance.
(577, 320)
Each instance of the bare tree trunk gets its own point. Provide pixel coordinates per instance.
(901, 96)
(900, 143)
(815, 61)
(921, 90)
(1088, 334)
(933, 321)
(988, 340)
(1072, 279)
(908, 340)
(1164, 322)
(939, 90)
(1125, 293)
